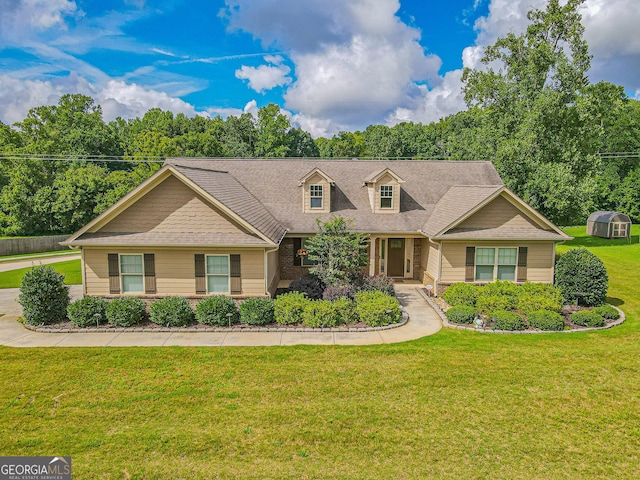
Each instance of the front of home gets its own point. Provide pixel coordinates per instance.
(236, 226)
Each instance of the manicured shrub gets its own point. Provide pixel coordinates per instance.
(539, 289)
(125, 311)
(530, 303)
(257, 311)
(87, 311)
(320, 313)
(171, 312)
(587, 318)
(44, 296)
(310, 285)
(377, 308)
(580, 271)
(463, 314)
(380, 283)
(346, 310)
(288, 308)
(462, 294)
(502, 288)
(215, 310)
(546, 320)
(487, 304)
(608, 312)
(505, 320)
(333, 293)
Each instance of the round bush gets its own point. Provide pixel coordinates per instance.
(44, 296)
(215, 310)
(87, 311)
(502, 288)
(310, 285)
(171, 312)
(608, 312)
(125, 311)
(320, 313)
(539, 289)
(346, 310)
(288, 308)
(546, 320)
(461, 294)
(463, 314)
(257, 311)
(587, 318)
(505, 320)
(528, 303)
(487, 304)
(580, 271)
(377, 308)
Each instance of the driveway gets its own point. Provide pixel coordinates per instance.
(423, 321)
(5, 266)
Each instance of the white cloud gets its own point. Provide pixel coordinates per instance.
(18, 15)
(265, 77)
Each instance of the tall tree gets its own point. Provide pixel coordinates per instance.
(272, 139)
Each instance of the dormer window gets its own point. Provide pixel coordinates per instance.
(386, 196)
(315, 196)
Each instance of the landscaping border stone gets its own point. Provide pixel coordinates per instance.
(446, 323)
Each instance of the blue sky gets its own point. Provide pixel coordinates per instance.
(330, 64)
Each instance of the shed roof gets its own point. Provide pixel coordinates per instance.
(603, 216)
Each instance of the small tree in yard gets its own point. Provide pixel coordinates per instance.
(581, 275)
(44, 296)
(339, 253)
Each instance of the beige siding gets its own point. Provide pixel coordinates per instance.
(172, 207)
(175, 269)
(499, 213)
(316, 179)
(433, 259)
(273, 271)
(540, 257)
(386, 179)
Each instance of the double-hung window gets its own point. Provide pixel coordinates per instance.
(218, 273)
(386, 196)
(496, 263)
(315, 196)
(132, 273)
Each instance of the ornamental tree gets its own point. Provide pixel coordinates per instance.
(582, 276)
(338, 252)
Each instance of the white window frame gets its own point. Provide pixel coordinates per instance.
(618, 228)
(314, 195)
(120, 255)
(387, 195)
(496, 252)
(304, 260)
(228, 275)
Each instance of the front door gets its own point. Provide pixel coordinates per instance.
(395, 266)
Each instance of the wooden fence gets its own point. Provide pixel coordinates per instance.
(17, 246)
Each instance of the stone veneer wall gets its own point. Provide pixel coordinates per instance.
(417, 255)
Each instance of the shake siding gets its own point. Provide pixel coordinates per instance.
(172, 207)
(539, 259)
(499, 213)
(317, 179)
(175, 269)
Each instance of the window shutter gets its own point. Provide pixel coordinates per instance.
(469, 272)
(522, 264)
(234, 273)
(149, 273)
(201, 275)
(297, 245)
(114, 274)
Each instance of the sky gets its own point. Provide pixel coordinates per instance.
(331, 65)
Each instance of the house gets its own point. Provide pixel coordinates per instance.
(234, 226)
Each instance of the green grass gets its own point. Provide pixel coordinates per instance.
(70, 269)
(457, 404)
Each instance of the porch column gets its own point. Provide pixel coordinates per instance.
(372, 255)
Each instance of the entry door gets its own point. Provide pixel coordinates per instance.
(396, 257)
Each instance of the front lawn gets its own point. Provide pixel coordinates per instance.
(70, 269)
(457, 404)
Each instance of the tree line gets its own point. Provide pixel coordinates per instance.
(565, 145)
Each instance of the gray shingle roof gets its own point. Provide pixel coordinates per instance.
(225, 188)
(499, 234)
(274, 185)
(167, 239)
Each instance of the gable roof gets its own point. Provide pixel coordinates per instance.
(275, 185)
(319, 172)
(378, 174)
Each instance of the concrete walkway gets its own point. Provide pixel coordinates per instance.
(34, 262)
(423, 321)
